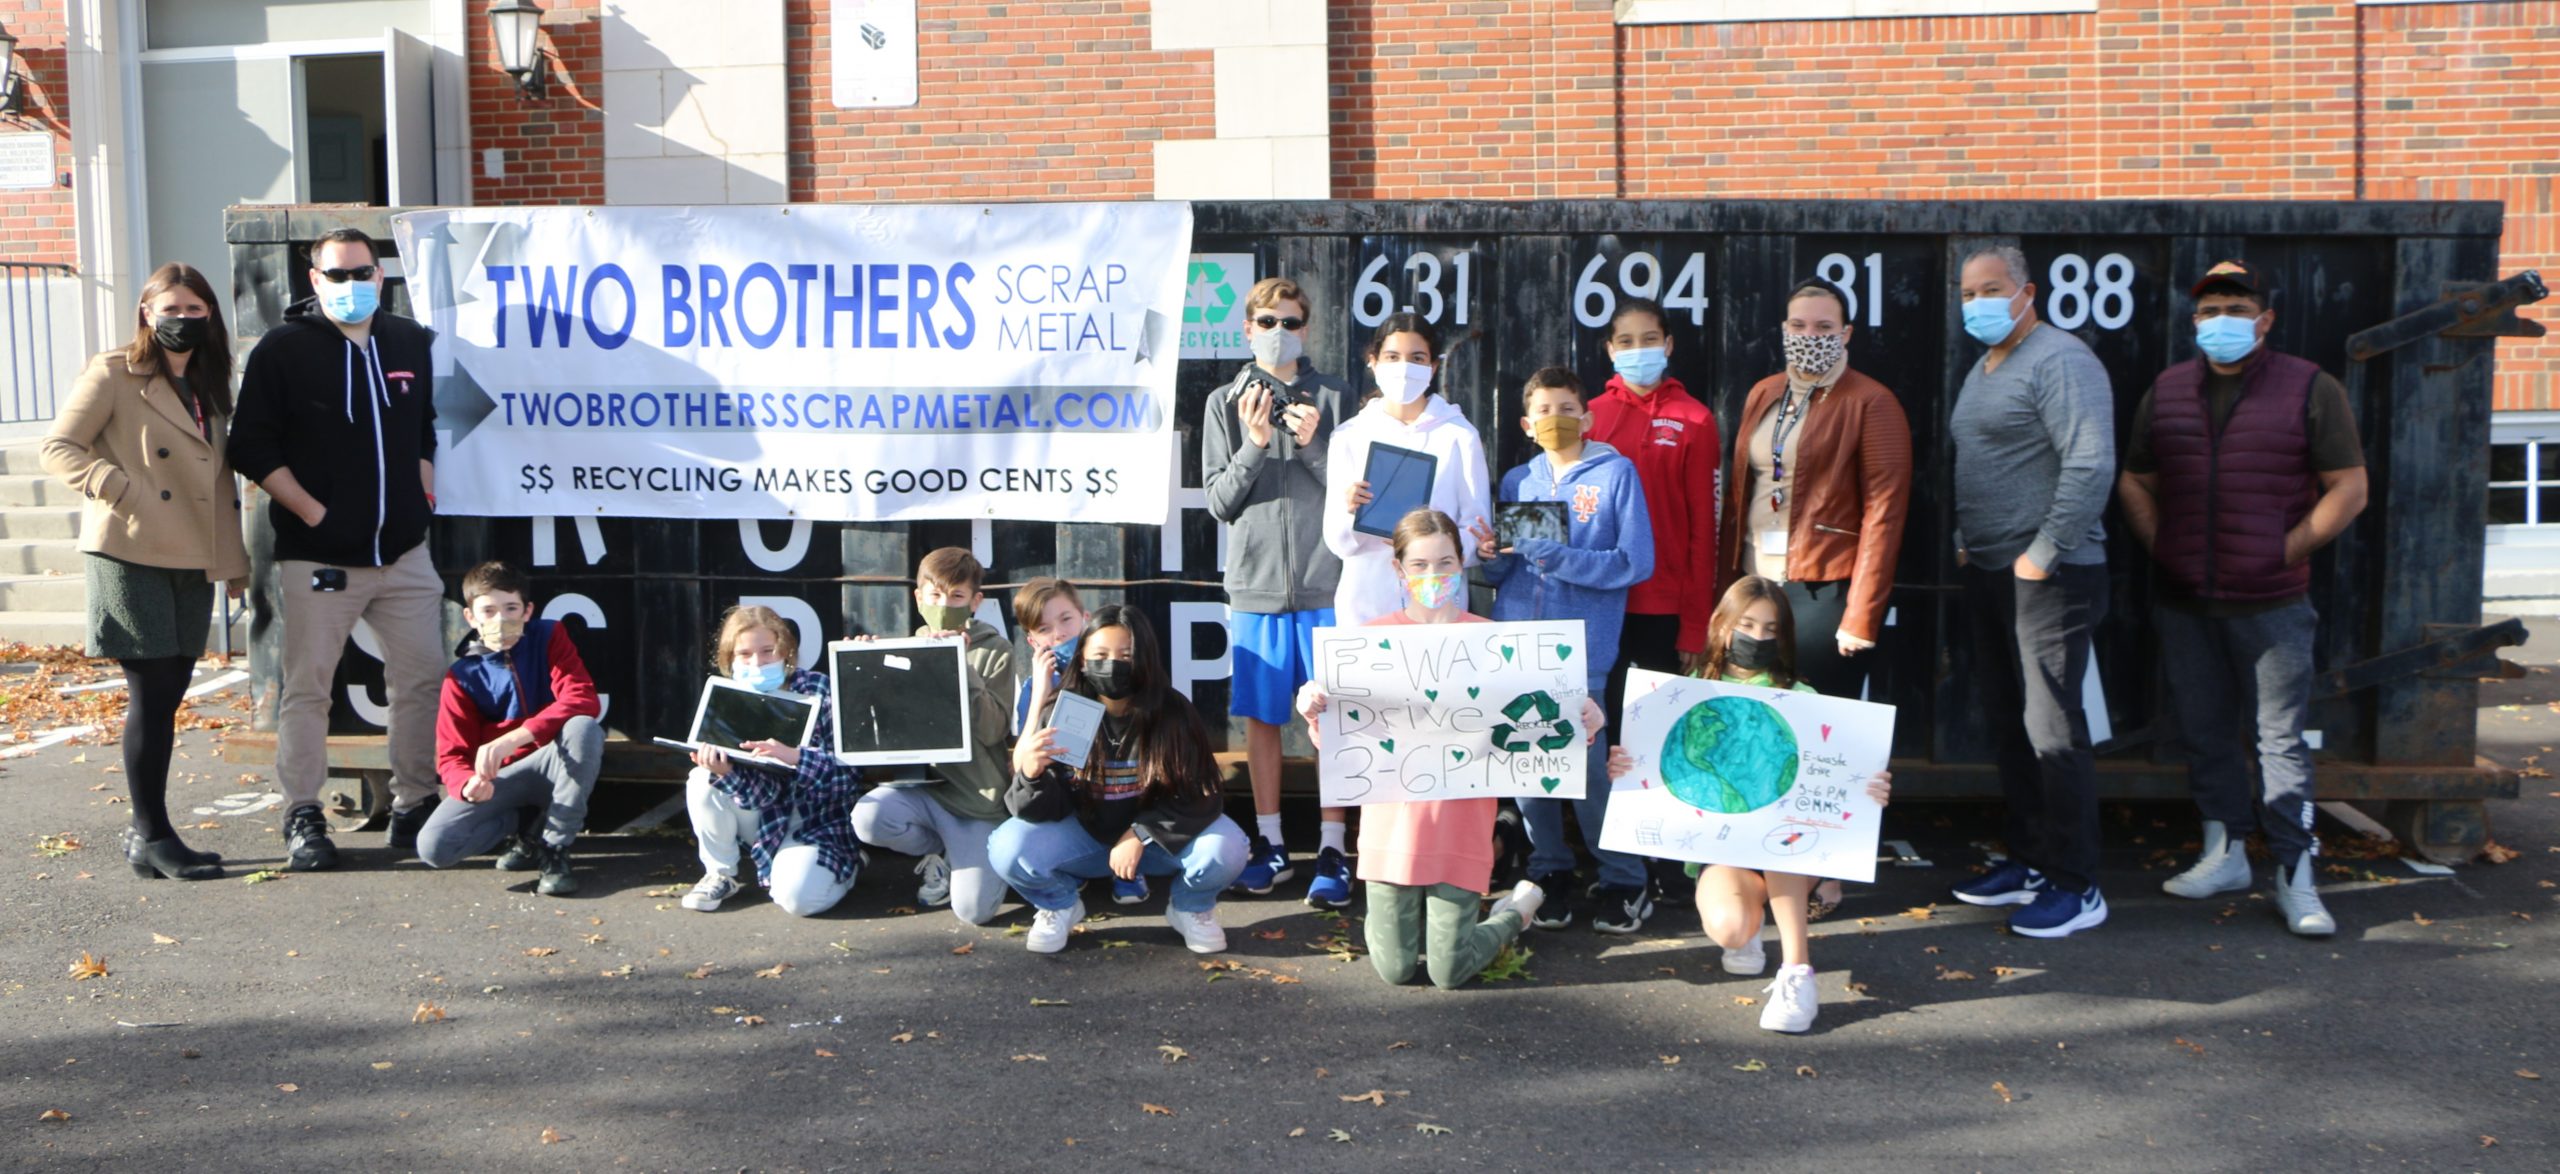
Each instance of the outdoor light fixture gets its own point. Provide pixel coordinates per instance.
(12, 88)
(517, 25)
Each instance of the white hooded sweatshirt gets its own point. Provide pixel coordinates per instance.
(1461, 488)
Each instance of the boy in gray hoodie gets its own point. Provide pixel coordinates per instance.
(1262, 463)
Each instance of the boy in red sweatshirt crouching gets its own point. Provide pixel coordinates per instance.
(517, 740)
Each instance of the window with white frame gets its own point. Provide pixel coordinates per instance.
(2524, 483)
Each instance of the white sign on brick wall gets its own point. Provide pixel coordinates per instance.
(26, 160)
(1213, 306)
(874, 42)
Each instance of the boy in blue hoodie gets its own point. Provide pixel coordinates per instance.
(1608, 548)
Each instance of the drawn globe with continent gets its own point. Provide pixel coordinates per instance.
(1730, 755)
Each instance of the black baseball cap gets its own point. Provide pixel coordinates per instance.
(2232, 275)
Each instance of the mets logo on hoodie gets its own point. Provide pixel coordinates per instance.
(1586, 502)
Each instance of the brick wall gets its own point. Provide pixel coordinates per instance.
(554, 147)
(1487, 100)
(1028, 101)
(37, 225)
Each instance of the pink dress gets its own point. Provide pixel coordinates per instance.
(1441, 842)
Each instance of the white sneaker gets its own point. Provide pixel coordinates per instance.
(1050, 928)
(1524, 899)
(1793, 1001)
(1200, 931)
(935, 892)
(1751, 959)
(709, 892)
(2298, 899)
(2223, 867)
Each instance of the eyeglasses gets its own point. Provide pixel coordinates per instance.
(1268, 322)
(2241, 312)
(343, 276)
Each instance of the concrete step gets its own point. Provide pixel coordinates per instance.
(43, 593)
(35, 556)
(22, 458)
(17, 489)
(40, 522)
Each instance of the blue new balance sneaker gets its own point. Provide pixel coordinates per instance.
(1332, 887)
(2010, 884)
(1266, 865)
(2056, 913)
(1128, 892)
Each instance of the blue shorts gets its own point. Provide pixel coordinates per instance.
(1270, 656)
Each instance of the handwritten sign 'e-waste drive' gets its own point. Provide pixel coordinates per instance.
(1418, 712)
(1749, 776)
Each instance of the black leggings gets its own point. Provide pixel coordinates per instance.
(153, 689)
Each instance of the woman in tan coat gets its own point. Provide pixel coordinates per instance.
(142, 439)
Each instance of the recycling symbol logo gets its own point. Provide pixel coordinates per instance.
(1212, 305)
(1511, 735)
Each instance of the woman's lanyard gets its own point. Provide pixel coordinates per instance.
(1789, 416)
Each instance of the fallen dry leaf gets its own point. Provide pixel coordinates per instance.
(904, 1037)
(2528, 1074)
(1300, 1131)
(2497, 853)
(2192, 1047)
(1155, 1110)
(88, 967)
(726, 1011)
(1287, 979)
(1921, 912)
(1375, 1096)
(2422, 919)
(2486, 1141)
(2003, 1090)
(1946, 975)
(965, 948)
(701, 972)
(774, 971)
(1172, 1054)
(1752, 1065)
(1399, 1044)
(288, 1086)
(751, 1021)
(161, 939)
(1806, 1071)
(552, 1136)
(428, 1013)
(594, 939)
(53, 1115)
(1271, 935)
(1030, 1056)
(1428, 1129)
(1040, 1002)
(382, 1065)
(1668, 1061)
(541, 951)
(824, 1054)
(2003, 971)
(1338, 1134)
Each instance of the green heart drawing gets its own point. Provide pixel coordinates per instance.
(1353, 713)
(1473, 691)
(1457, 756)
(1433, 694)
(1564, 652)
(1387, 744)
(1384, 644)
(1506, 652)
(1550, 784)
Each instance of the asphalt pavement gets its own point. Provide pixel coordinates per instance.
(386, 1016)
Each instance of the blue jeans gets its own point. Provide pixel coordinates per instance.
(2237, 684)
(1549, 851)
(1048, 862)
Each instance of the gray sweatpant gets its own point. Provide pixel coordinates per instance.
(553, 782)
(910, 821)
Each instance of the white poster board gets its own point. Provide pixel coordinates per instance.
(1418, 712)
(874, 43)
(1749, 776)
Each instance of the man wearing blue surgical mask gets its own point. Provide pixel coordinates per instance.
(337, 423)
(2241, 463)
(2035, 450)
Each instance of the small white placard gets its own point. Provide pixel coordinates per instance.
(26, 160)
(1213, 306)
(874, 42)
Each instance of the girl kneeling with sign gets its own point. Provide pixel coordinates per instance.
(1145, 802)
(1427, 863)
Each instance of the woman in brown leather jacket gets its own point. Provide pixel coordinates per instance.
(1822, 455)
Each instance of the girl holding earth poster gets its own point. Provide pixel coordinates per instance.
(1752, 641)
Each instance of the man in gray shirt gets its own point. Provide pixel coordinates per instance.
(2034, 431)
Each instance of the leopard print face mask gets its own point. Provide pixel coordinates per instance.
(1813, 354)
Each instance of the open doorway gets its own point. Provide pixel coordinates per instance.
(344, 157)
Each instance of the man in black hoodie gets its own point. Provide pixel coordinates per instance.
(337, 422)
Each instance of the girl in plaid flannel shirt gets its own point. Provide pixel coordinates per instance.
(798, 823)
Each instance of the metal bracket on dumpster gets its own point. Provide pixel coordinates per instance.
(2469, 309)
(2450, 652)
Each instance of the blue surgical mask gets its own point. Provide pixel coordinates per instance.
(2227, 339)
(763, 678)
(1642, 365)
(349, 303)
(1988, 320)
(1064, 651)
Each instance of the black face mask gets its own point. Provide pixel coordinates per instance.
(180, 335)
(1751, 654)
(1115, 680)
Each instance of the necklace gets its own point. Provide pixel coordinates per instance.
(1116, 734)
(1792, 414)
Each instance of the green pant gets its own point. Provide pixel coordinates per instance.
(1408, 922)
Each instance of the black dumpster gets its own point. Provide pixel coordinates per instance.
(1528, 285)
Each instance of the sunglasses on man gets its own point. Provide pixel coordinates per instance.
(343, 276)
(1268, 322)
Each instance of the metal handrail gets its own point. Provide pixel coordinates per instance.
(30, 385)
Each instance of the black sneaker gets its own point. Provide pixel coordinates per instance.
(1560, 907)
(1673, 887)
(1617, 909)
(403, 836)
(523, 854)
(306, 840)
(557, 881)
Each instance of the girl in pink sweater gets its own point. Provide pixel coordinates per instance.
(1427, 864)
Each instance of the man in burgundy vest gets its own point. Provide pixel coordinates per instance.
(2242, 462)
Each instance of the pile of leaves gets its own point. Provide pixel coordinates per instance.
(31, 704)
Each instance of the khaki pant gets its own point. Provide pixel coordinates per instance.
(404, 605)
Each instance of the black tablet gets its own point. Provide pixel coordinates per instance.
(1515, 520)
(1399, 483)
(730, 715)
(901, 701)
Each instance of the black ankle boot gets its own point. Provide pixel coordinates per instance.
(134, 836)
(168, 858)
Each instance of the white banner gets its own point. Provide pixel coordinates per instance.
(1416, 712)
(1748, 776)
(838, 363)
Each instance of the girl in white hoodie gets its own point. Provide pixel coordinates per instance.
(1404, 412)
